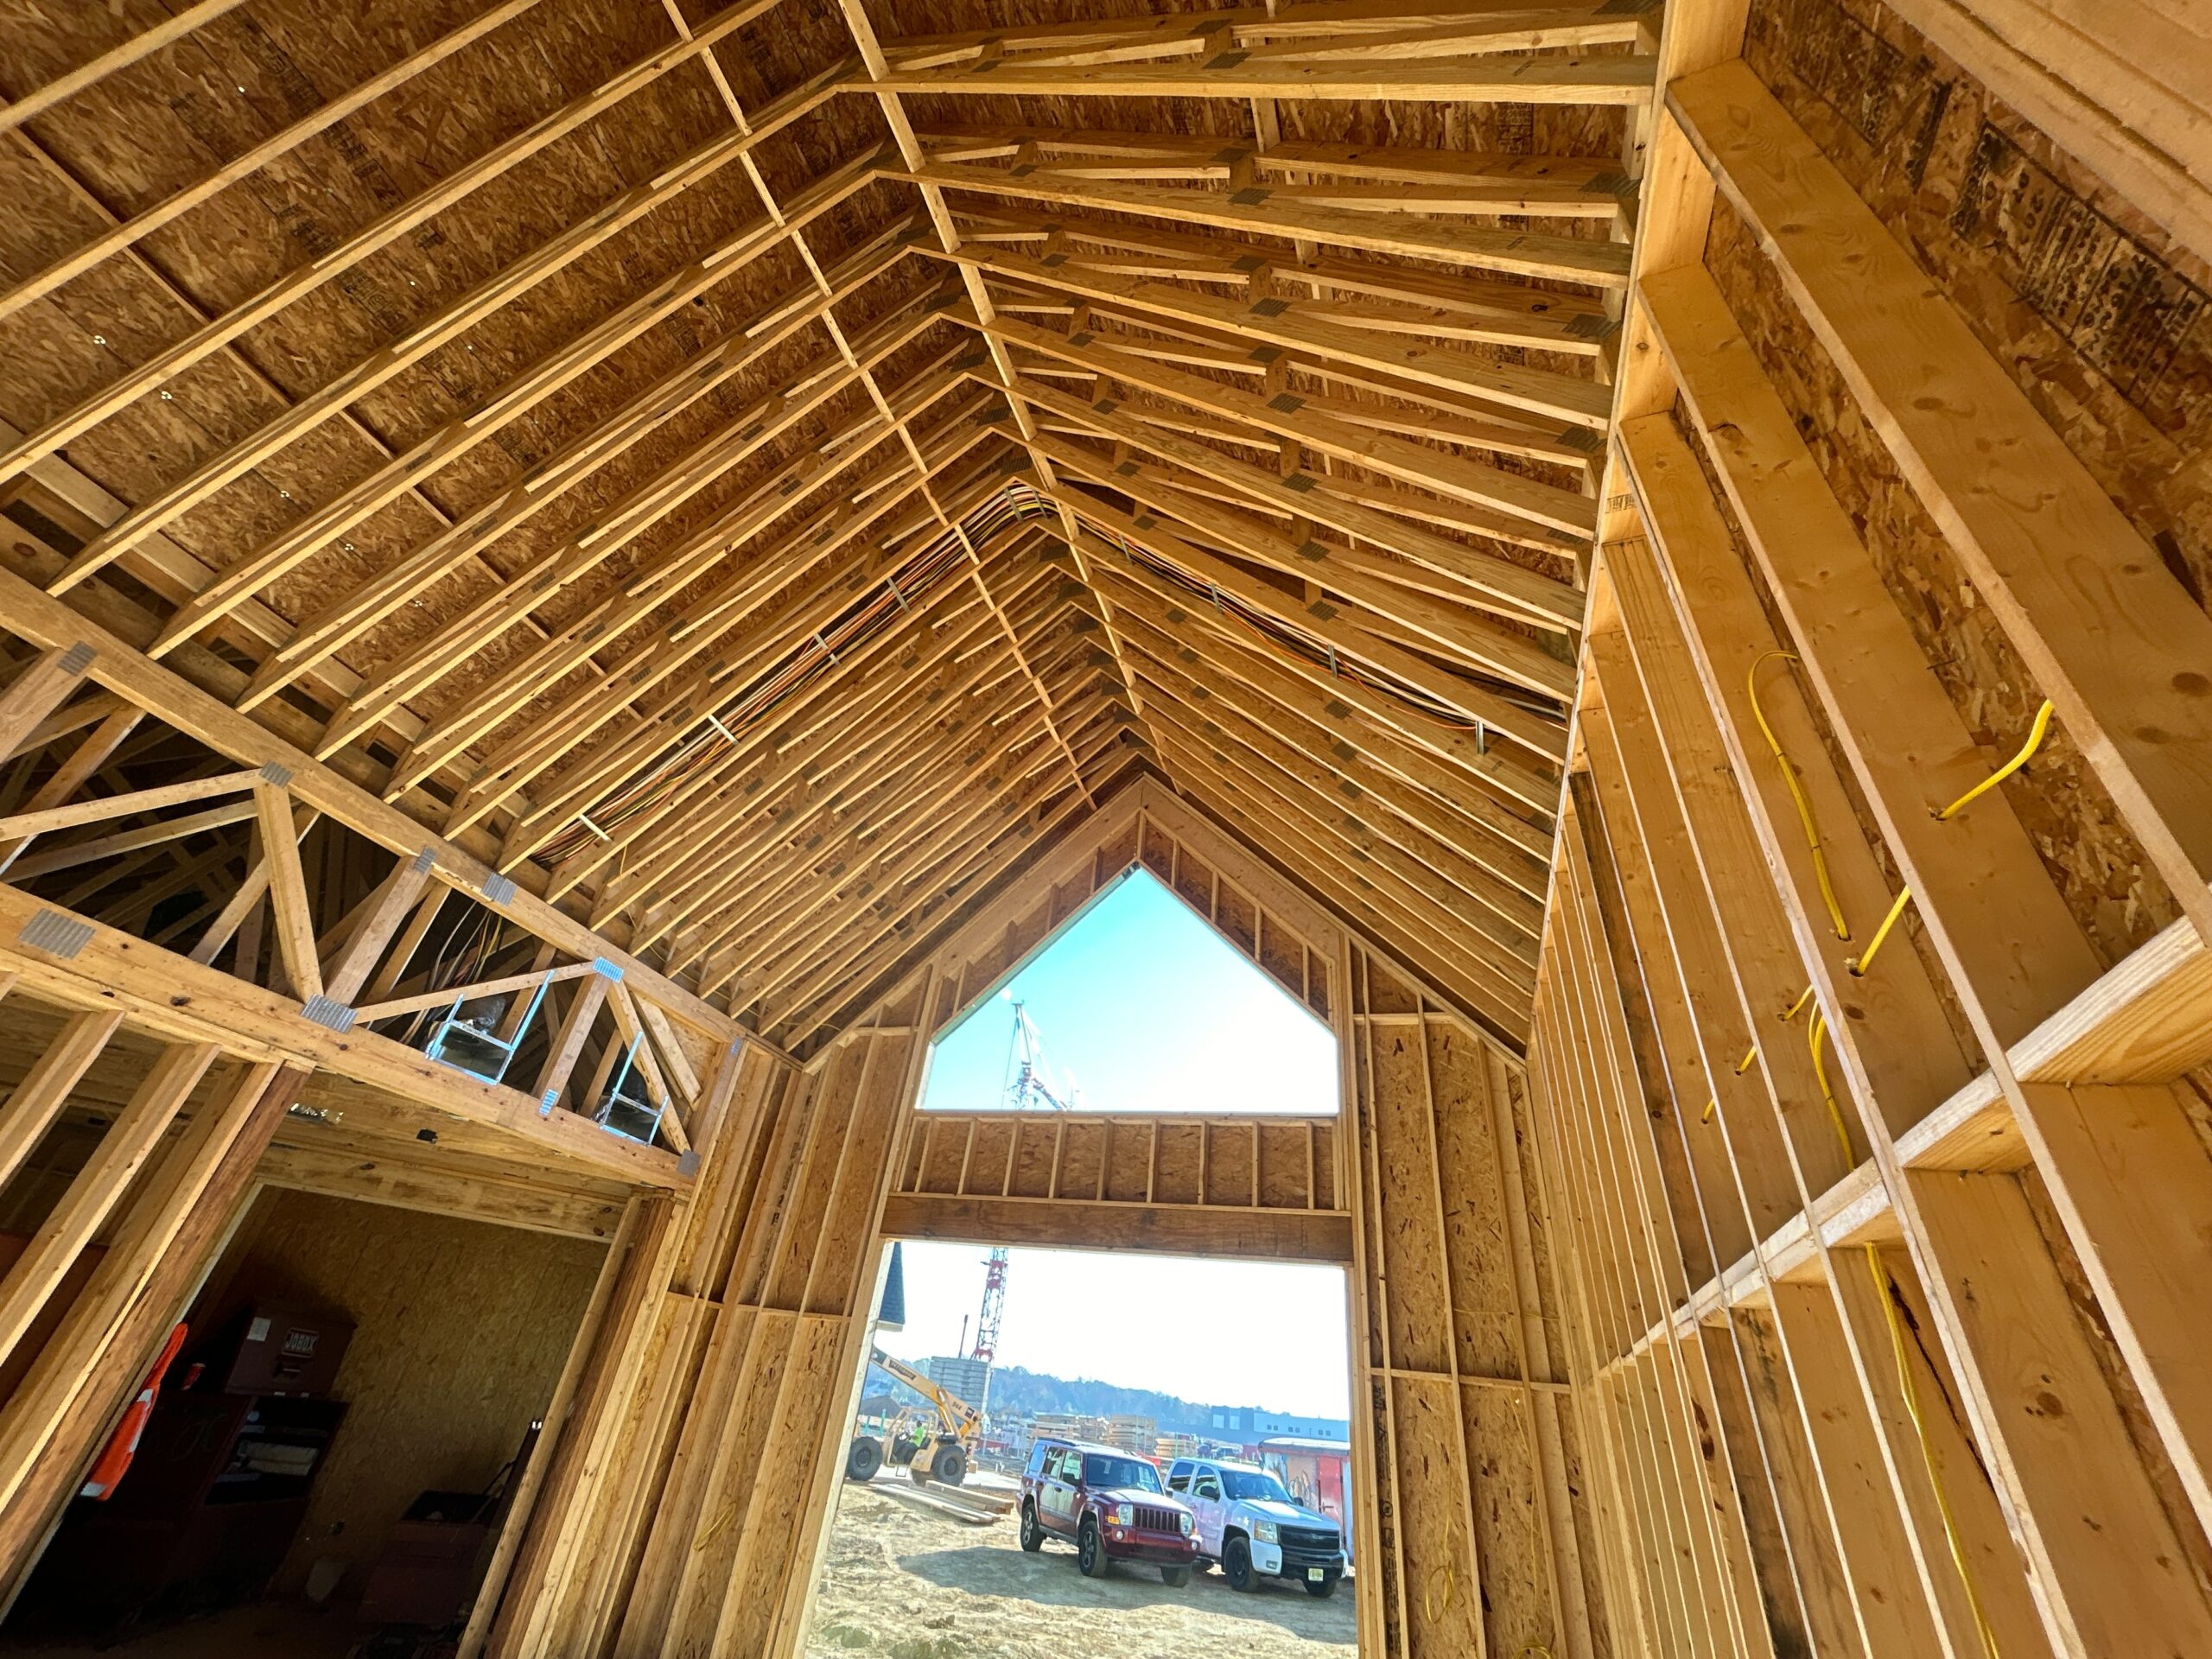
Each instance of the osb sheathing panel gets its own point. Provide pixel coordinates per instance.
(1237, 918)
(2115, 896)
(1081, 1164)
(736, 1515)
(2101, 322)
(1735, 1433)
(461, 1330)
(1910, 932)
(1194, 881)
(1407, 1243)
(1476, 1240)
(1510, 1544)
(987, 1154)
(1283, 1154)
(711, 1255)
(1543, 1270)
(941, 1161)
(833, 1280)
(775, 1523)
(835, 1106)
(1228, 1175)
(2104, 321)
(738, 1445)
(683, 1335)
(1156, 852)
(1117, 854)
(1458, 1460)
(1031, 1175)
(1128, 1168)
(764, 1219)
(1582, 1519)
(168, 121)
(1444, 1618)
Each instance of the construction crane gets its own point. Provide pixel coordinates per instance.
(1029, 1083)
(987, 1323)
(1029, 1087)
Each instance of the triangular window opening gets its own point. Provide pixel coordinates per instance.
(1137, 1006)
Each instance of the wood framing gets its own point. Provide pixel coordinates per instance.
(577, 584)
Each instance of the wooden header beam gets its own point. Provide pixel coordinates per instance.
(1211, 1232)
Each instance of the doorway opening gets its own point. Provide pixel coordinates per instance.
(355, 1391)
(1163, 1464)
(1107, 1408)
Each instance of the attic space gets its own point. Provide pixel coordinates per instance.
(585, 585)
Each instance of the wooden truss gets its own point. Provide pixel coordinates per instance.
(676, 543)
(1257, 367)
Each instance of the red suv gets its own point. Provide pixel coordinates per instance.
(1110, 1505)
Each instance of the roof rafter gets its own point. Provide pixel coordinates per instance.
(948, 463)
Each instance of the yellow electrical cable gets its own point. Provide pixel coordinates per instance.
(1858, 965)
(1815, 1039)
(1928, 1452)
(1451, 1591)
(2036, 732)
(1796, 792)
(1742, 1066)
(2036, 735)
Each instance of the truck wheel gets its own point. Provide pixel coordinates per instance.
(1236, 1564)
(1091, 1550)
(863, 1459)
(1323, 1588)
(1033, 1535)
(1175, 1577)
(949, 1466)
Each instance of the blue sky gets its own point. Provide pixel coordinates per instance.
(1151, 1011)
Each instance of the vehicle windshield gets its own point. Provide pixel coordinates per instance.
(1243, 1483)
(1106, 1473)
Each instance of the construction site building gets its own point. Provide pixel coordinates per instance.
(969, 1378)
(580, 578)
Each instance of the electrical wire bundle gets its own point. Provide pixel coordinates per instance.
(715, 734)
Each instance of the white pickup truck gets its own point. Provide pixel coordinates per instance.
(1256, 1529)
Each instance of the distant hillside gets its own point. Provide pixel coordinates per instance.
(1016, 1392)
(1019, 1392)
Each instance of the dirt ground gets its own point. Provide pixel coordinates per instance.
(910, 1585)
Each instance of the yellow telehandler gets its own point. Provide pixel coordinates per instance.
(940, 1453)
